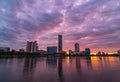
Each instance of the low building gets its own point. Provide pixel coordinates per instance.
(5, 49)
(21, 50)
(72, 52)
(52, 50)
(42, 52)
(87, 51)
(118, 52)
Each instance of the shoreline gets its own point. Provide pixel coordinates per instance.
(60, 55)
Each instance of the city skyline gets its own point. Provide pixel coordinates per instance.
(93, 24)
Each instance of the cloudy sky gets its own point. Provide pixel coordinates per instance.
(91, 23)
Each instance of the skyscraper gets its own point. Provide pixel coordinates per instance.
(32, 46)
(87, 51)
(76, 46)
(59, 43)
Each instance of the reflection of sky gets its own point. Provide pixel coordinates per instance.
(92, 23)
(69, 69)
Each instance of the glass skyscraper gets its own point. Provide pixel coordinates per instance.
(59, 43)
(52, 49)
(87, 51)
(76, 46)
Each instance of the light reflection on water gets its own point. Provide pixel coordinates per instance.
(60, 69)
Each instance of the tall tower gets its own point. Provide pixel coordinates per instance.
(59, 43)
(76, 46)
(28, 46)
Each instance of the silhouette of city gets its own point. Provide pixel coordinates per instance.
(33, 48)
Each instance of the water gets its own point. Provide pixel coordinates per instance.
(60, 69)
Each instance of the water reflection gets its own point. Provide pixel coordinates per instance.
(78, 64)
(51, 61)
(29, 68)
(89, 62)
(60, 69)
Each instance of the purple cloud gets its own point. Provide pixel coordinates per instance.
(92, 23)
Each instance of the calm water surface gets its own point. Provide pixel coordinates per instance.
(60, 69)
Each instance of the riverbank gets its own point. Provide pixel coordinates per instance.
(55, 55)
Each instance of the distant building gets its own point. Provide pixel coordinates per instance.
(103, 53)
(21, 50)
(52, 49)
(87, 51)
(5, 49)
(32, 46)
(59, 43)
(99, 53)
(82, 52)
(72, 52)
(118, 52)
(42, 52)
(76, 46)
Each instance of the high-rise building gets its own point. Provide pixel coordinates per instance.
(76, 46)
(87, 51)
(32, 46)
(52, 49)
(59, 43)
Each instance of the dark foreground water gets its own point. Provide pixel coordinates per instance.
(57, 69)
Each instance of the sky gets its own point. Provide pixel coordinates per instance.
(91, 23)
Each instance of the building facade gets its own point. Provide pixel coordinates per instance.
(52, 49)
(87, 51)
(32, 46)
(76, 46)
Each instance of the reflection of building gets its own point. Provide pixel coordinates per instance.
(76, 46)
(59, 43)
(60, 69)
(89, 62)
(30, 63)
(78, 64)
(28, 71)
(5, 49)
(52, 50)
(87, 51)
(51, 61)
(32, 46)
